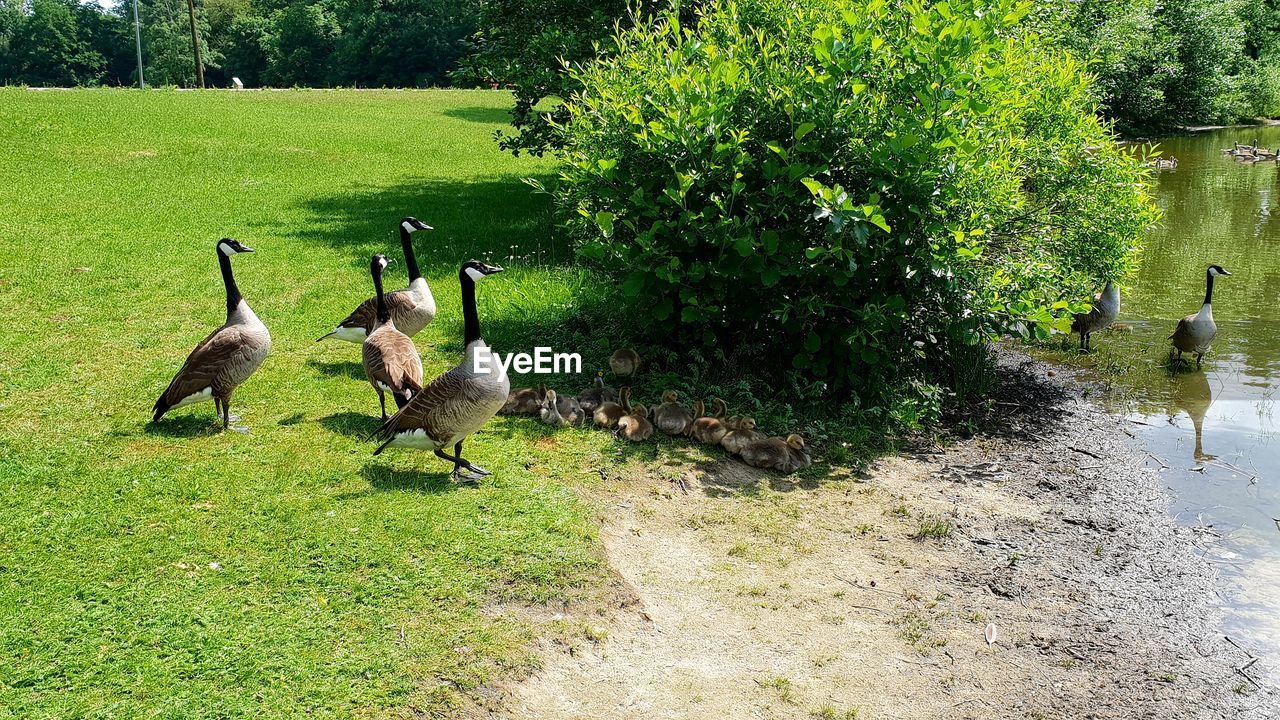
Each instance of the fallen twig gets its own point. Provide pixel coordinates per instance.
(1157, 459)
(1082, 451)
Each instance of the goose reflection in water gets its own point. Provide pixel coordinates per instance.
(1191, 394)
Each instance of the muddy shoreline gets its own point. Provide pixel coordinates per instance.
(742, 594)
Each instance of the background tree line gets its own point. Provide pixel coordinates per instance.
(378, 43)
(1159, 64)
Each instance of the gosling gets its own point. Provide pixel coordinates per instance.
(786, 455)
(710, 429)
(635, 425)
(742, 432)
(671, 417)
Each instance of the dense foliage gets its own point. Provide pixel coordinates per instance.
(863, 189)
(1162, 64)
(378, 43)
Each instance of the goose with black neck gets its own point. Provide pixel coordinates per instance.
(224, 359)
(391, 361)
(412, 308)
(1195, 333)
(458, 402)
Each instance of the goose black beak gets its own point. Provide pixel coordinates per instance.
(246, 249)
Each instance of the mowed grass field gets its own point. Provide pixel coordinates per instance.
(173, 571)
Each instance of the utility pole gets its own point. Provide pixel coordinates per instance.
(195, 43)
(137, 39)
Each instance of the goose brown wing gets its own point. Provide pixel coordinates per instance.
(435, 410)
(204, 364)
(366, 315)
(390, 357)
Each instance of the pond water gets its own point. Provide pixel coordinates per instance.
(1216, 430)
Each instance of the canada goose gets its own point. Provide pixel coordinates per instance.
(608, 413)
(460, 401)
(560, 411)
(1195, 333)
(391, 361)
(524, 401)
(411, 309)
(1106, 308)
(671, 417)
(786, 455)
(635, 425)
(742, 432)
(224, 359)
(591, 399)
(624, 362)
(709, 429)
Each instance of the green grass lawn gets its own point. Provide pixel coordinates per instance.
(177, 572)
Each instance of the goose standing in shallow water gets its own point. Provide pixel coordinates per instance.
(224, 359)
(1195, 333)
(391, 361)
(1106, 308)
(412, 308)
(460, 401)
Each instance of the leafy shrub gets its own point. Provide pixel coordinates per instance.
(856, 187)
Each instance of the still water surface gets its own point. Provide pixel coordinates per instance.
(1216, 429)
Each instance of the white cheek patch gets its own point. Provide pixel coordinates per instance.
(408, 227)
(226, 249)
(474, 274)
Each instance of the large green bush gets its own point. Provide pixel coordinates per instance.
(860, 188)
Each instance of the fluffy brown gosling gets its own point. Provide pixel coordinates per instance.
(786, 455)
(710, 429)
(624, 362)
(635, 425)
(524, 401)
(591, 398)
(608, 413)
(742, 432)
(671, 417)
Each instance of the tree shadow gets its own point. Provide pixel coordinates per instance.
(339, 368)
(185, 426)
(481, 114)
(387, 478)
(503, 220)
(351, 424)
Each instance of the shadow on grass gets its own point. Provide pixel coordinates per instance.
(352, 424)
(384, 477)
(339, 368)
(482, 219)
(186, 426)
(481, 114)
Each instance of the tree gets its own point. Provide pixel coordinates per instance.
(402, 43)
(166, 43)
(48, 48)
(305, 38)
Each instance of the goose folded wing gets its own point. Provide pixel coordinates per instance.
(366, 315)
(394, 361)
(205, 363)
(437, 409)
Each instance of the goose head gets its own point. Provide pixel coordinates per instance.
(1216, 270)
(795, 441)
(378, 264)
(231, 246)
(412, 225)
(476, 270)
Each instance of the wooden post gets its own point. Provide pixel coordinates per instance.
(195, 44)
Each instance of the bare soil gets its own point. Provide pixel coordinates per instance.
(743, 594)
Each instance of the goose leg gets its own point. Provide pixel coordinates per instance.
(1199, 358)
(458, 463)
(382, 402)
(228, 418)
(217, 410)
(457, 450)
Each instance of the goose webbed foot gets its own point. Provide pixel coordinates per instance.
(465, 477)
(242, 429)
(475, 469)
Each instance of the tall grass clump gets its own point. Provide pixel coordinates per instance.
(859, 190)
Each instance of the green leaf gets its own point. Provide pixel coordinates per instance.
(804, 129)
(604, 221)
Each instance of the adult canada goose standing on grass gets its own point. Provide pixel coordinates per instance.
(224, 359)
(391, 362)
(460, 401)
(1106, 308)
(1195, 333)
(411, 309)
